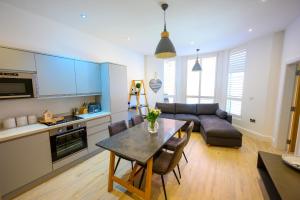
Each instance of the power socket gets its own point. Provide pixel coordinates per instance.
(252, 120)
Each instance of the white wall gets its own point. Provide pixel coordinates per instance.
(21, 29)
(290, 55)
(24, 30)
(260, 86)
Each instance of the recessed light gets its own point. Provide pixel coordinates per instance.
(264, 1)
(250, 30)
(192, 42)
(83, 15)
(128, 38)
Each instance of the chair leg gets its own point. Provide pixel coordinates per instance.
(131, 165)
(142, 178)
(176, 176)
(179, 170)
(163, 182)
(185, 157)
(117, 165)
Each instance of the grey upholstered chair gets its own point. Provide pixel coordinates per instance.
(137, 120)
(116, 128)
(166, 162)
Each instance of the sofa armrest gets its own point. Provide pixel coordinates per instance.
(229, 118)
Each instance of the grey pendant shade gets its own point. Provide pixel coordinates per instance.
(165, 48)
(197, 66)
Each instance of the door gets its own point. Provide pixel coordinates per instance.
(16, 60)
(295, 112)
(55, 75)
(88, 77)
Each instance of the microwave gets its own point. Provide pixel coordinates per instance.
(14, 85)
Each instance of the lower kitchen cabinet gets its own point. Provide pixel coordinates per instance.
(23, 161)
(95, 138)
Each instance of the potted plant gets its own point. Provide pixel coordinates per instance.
(138, 87)
(152, 119)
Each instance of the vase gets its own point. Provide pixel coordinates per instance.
(153, 126)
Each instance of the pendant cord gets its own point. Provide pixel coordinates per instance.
(165, 24)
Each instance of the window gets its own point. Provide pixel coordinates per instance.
(201, 85)
(235, 84)
(169, 81)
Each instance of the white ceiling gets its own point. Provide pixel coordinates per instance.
(211, 24)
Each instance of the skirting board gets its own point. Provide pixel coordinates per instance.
(253, 134)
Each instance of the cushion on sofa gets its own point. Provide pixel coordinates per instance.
(207, 109)
(188, 117)
(166, 107)
(216, 127)
(167, 116)
(182, 108)
(221, 113)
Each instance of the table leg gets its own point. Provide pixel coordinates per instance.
(179, 133)
(111, 171)
(148, 179)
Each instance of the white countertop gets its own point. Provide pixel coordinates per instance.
(10, 134)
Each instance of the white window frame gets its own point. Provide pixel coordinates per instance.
(243, 88)
(167, 96)
(199, 97)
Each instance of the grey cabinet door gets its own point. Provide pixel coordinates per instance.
(24, 160)
(56, 76)
(88, 77)
(11, 59)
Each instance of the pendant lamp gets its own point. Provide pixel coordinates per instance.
(197, 66)
(165, 48)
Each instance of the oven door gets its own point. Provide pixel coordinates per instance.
(67, 143)
(16, 88)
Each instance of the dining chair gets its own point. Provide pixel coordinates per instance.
(114, 129)
(137, 120)
(166, 162)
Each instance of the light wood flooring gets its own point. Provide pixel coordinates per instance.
(212, 173)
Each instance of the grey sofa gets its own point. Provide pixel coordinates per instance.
(213, 123)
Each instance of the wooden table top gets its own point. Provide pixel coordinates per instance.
(285, 178)
(138, 144)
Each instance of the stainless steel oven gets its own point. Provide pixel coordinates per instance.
(67, 140)
(17, 85)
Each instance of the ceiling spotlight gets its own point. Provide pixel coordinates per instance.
(250, 30)
(128, 38)
(264, 1)
(192, 42)
(83, 16)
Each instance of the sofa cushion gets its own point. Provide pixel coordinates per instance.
(167, 116)
(221, 114)
(182, 108)
(166, 107)
(216, 127)
(188, 117)
(207, 109)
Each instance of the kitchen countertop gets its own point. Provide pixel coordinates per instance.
(10, 134)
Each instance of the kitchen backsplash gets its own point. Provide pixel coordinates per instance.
(20, 107)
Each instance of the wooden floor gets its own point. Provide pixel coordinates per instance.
(212, 173)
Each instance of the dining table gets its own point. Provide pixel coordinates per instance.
(139, 145)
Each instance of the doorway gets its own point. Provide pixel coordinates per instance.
(295, 113)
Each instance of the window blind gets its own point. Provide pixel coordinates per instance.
(235, 84)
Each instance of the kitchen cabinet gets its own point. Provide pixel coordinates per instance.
(88, 78)
(114, 91)
(16, 60)
(23, 160)
(55, 75)
(97, 130)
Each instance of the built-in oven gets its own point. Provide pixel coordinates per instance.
(68, 140)
(17, 85)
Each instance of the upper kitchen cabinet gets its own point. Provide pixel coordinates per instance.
(88, 78)
(56, 76)
(16, 60)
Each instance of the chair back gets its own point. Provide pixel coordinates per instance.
(137, 120)
(177, 154)
(117, 127)
(189, 131)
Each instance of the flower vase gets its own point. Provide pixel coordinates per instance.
(153, 126)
